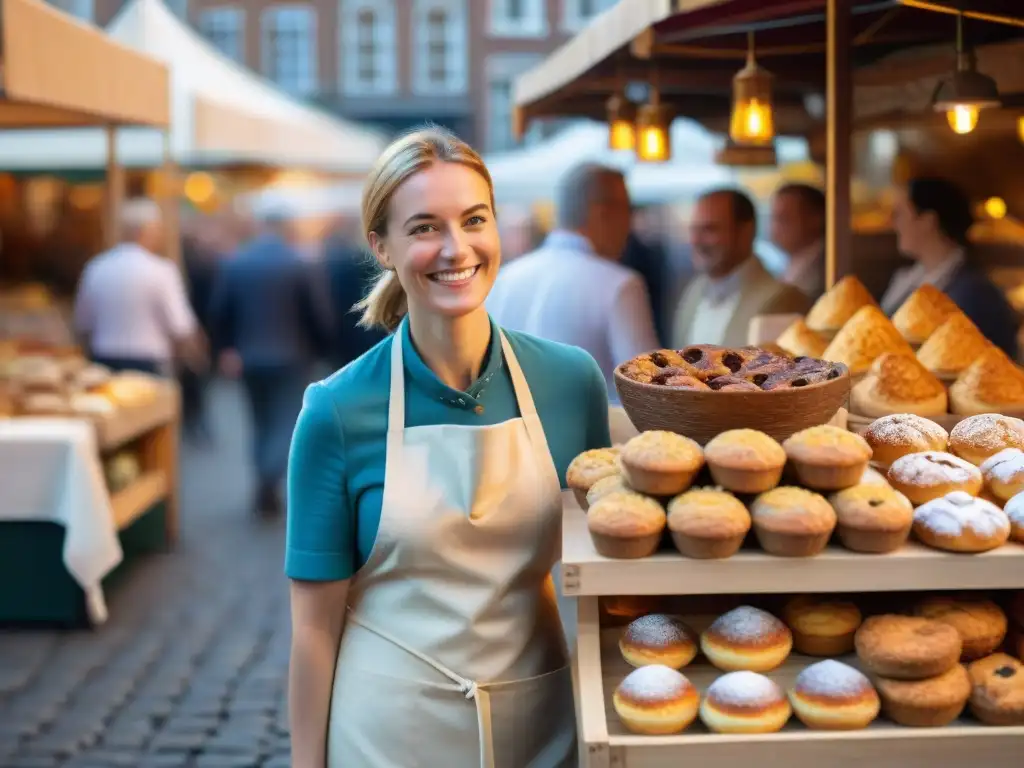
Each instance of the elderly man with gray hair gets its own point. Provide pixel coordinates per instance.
(132, 310)
(573, 288)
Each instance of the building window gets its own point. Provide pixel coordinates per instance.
(289, 47)
(80, 9)
(178, 7)
(441, 47)
(224, 28)
(367, 39)
(578, 13)
(502, 71)
(519, 18)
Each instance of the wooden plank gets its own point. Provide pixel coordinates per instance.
(839, 146)
(130, 503)
(590, 705)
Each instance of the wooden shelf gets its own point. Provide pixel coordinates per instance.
(585, 572)
(605, 742)
(126, 424)
(138, 498)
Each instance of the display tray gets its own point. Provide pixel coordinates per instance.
(127, 423)
(966, 742)
(752, 571)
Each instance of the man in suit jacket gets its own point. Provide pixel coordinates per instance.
(732, 287)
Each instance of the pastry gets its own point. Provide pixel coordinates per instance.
(603, 487)
(827, 458)
(745, 461)
(981, 623)
(660, 463)
(656, 700)
(865, 337)
(837, 305)
(804, 376)
(707, 523)
(44, 404)
(792, 522)
(955, 345)
(620, 610)
(959, 522)
(833, 696)
(821, 627)
(745, 702)
(86, 404)
(658, 638)
(997, 690)
(873, 477)
(978, 437)
(899, 384)
(799, 340)
(922, 477)
(589, 467)
(922, 313)
(626, 525)
(929, 703)
(907, 647)
(92, 376)
(872, 518)
(1004, 473)
(891, 437)
(746, 638)
(1014, 510)
(992, 383)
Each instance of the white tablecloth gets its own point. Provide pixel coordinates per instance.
(50, 470)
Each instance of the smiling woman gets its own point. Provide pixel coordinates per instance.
(424, 500)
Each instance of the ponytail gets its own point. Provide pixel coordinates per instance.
(385, 305)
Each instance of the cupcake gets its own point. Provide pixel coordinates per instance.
(589, 467)
(822, 627)
(792, 522)
(707, 523)
(929, 703)
(626, 525)
(745, 461)
(828, 458)
(660, 463)
(872, 518)
(604, 486)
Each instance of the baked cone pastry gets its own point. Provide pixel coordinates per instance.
(922, 313)
(866, 336)
(840, 303)
(800, 340)
(899, 384)
(992, 383)
(953, 347)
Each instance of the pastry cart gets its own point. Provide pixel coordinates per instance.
(599, 667)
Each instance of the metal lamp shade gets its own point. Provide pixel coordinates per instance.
(752, 120)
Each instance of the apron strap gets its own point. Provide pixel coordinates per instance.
(524, 399)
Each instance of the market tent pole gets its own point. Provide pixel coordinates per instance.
(114, 192)
(169, 194)
(839, 141)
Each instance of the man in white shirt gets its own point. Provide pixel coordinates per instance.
(798, 230)
(573, 288)
(132, 310)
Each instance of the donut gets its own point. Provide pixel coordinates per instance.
(907, 647)
(822, 627)
(891, 437)
(746, 638)
(922, 477)
(1004, 473)
(978, 437)
(958, 522)
(997, 690)
(834, 696)
(656, 700)
(929, 703)
(981, 624)
(745, 702)
(658, 638)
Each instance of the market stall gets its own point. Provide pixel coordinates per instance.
(74, 500)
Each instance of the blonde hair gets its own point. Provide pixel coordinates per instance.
(385, 305)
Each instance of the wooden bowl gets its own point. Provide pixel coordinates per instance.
(700, 415)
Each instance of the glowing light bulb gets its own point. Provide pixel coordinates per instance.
(962, 118)
(1020, 128)
(652, 143)
(995, 207)
(622, 135)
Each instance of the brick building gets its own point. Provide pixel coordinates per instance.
(394, 63)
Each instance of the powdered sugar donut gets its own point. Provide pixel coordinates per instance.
(929, 475)
(834, 696)
(978, 437)
(658, 638)
(903, 433)
(1014, 510)
(1004, 473)
(656, 700)
(745, 702)
(959, 522)
(747, 638)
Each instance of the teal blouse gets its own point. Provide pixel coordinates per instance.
(336, 466)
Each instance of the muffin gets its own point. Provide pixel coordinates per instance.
(603, 487)
(1004, 474)
(997, 690)
(981, 623)
(707, 523)
(929, 703)
(660, 463)
(792, 522)
(872, 518)
(922, 477)
(827, 458)
(891, 437)
(907, 647)
(589, 467)
(978, 437)
(745, 461)
(626, 525)
(822, 627)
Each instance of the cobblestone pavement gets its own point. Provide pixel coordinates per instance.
(190, 670)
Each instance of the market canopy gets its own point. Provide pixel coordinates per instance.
(93, 80)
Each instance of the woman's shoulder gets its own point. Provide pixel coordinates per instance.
(536, 354)
(354, 386)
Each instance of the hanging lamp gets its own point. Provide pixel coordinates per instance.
(752, 120)
(968, 91)
(653, 131)
(621, 123)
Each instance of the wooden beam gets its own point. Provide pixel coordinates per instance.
(838, 151)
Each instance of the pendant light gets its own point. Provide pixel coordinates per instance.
(1020, 128)
(968, 91)
(752, 120)
(746, 155)
(621, 123)
(653, 131)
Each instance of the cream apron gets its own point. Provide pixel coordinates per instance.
(453, 654)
